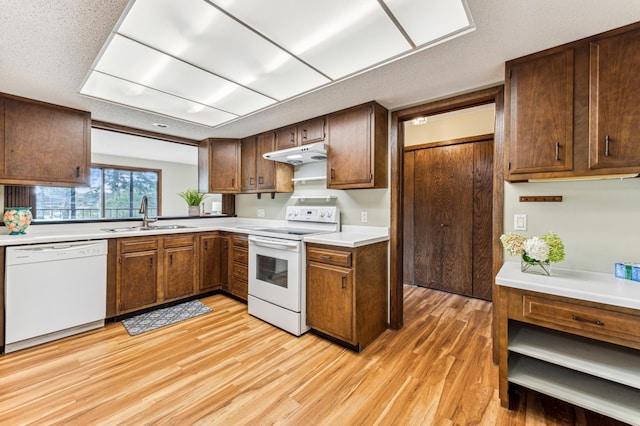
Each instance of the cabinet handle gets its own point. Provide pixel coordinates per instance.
(170, 259)
(260, 180)
(344, 281)
(557, 151)
(333, 173)
(78, 171)
(606, 146)
(233, 181)
(325, 257)
(206, 245)
(151, 262)
(304, 134)
(596, 322)
(292, 140)
(250, 181)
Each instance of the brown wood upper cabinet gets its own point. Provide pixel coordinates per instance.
(260, 175)
(614, 99)
(310, 131)
(43, 144)
(541, 120)
(357, 147)
(219, 166)
(573, 110)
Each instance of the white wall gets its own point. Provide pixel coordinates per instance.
(597, 220)
(351, 202)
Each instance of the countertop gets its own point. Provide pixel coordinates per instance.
(352, 236)
(582, 285)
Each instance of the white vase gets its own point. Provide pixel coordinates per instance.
(194, 210)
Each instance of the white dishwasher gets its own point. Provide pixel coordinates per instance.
(53, 291)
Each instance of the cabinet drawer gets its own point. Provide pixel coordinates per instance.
(332, 257)
(240, 271)
(240, 255)
(178, 241)
(129, 246)
(239, 288)
(598, 321)
(240, 241)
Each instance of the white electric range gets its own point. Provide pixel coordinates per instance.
(277, 278)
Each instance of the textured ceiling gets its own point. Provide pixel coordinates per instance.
(47, 47)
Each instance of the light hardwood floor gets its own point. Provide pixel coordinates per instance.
(229, 368)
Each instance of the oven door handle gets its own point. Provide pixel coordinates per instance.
(271, 243)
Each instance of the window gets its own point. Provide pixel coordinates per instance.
(113, 193)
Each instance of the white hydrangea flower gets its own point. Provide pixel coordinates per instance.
(536, 249)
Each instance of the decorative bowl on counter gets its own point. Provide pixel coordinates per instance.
(17, 219)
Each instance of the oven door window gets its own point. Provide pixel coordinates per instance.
(272, 270)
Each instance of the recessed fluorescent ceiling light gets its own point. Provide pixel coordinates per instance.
(210, 62)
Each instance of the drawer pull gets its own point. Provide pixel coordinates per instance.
(324, 256)
(596, 322)
(557, 151)
(344, 284)
(606, 146)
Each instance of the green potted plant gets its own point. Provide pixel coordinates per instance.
(193, 199)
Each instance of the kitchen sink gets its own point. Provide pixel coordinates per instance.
(145, 228)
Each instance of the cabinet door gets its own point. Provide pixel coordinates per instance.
(443, 218)
(540, 95)
(224, 158)
(614, 101)
(137, 280)
(349, 162)
(211, 247)
(179, 272)
(287, 137)
(265, 169)
(44, 143)
(248, 164)
(311, 131)
(330, 307)
(224, 262)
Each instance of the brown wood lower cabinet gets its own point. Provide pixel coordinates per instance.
(148, 271)
(347, 292)
(137, 276)
(213, 262)
(180, 272)
(239, 266)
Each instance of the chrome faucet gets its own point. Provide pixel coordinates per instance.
(144, 209)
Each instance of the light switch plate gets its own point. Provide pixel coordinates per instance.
(519, 222)
(260, 213)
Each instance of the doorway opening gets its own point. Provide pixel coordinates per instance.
(493, 95)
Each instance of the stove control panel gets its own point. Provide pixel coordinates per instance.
(329, 214)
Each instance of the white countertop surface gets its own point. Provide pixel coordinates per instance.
(582, 285)
(352, 236)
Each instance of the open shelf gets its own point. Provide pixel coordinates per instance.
(601, 359)
(304, 180)
(304, 198)
(602, 396)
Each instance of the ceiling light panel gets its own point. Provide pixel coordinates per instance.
(429, 21)
(126, 93)
(140, 64)
(336, 37)
(199, 34)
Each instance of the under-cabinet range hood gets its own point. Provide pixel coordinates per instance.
(300, 154)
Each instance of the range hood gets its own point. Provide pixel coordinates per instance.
(300, 154)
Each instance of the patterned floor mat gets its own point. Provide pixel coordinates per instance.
(165, 316)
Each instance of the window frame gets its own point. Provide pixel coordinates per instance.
(103, 167)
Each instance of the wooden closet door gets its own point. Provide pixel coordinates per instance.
(443, 218)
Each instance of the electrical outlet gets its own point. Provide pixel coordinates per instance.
(363, 216)
(260, 212)
(519, 222)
